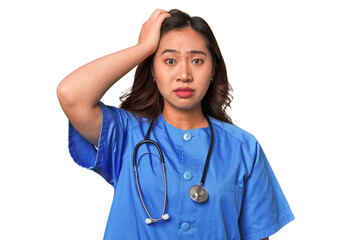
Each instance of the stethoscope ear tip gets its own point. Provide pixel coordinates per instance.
(165, 216)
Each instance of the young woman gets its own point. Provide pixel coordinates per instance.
(196, 175)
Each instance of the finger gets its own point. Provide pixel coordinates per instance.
(156, 13)
(163, 16)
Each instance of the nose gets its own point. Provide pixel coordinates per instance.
(184, 74)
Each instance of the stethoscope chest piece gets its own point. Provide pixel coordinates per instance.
(199, 194)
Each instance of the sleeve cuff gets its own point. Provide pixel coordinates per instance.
(85, 154)
(271, 230)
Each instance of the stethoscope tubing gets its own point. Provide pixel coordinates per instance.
(141, 198)
(209, 152)
(147, 141)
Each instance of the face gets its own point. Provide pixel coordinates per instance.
(182, 69)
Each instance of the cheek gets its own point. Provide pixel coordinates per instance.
(163, 79)
(204, 78)
(161, 74)
(205, 89)
(163, 86)
(159, 67)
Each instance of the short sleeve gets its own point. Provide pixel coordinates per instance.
(265, 209)
(105, 160)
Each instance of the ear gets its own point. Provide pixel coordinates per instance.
(152, 69)
(152, 72)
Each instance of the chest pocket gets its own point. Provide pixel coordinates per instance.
(227, 211)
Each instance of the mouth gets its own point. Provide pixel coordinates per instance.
(184, 92)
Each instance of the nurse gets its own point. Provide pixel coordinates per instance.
(200, 177)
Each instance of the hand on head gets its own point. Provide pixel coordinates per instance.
(150, 31)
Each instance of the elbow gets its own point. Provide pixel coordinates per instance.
(65, 95)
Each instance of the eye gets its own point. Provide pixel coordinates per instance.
(170, 61)
(197, 61)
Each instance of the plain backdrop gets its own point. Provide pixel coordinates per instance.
(294, 67)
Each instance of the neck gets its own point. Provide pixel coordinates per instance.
(185, 120)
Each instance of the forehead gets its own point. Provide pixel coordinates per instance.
(183, 40)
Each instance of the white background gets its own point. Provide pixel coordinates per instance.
(294, 67)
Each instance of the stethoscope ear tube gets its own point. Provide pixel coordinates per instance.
(163, 216)
(147, 141)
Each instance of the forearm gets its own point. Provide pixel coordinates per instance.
(86, 85)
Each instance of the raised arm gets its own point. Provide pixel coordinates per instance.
(80, 92)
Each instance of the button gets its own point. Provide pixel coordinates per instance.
(187, 136)
(185, 226)
(187, 176)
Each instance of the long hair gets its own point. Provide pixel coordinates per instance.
(144, 98)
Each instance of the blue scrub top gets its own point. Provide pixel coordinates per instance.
(245, 200)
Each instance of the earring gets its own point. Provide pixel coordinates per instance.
(154, 80)
(211, 80)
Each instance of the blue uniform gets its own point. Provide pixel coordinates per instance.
(245, 200)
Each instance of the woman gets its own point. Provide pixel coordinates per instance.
(215, 183)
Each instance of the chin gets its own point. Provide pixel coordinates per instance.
(185, 107)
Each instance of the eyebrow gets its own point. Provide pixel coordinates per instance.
(176, 51)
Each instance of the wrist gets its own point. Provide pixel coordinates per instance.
(145, 49)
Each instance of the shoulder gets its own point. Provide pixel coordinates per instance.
(121, 115)
(234, 133)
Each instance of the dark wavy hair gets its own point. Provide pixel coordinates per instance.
(144, 99)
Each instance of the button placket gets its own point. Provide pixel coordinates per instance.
(188, 216)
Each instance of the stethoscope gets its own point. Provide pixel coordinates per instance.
(198, 193)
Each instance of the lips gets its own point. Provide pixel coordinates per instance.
(184, 92)
(186, 89)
